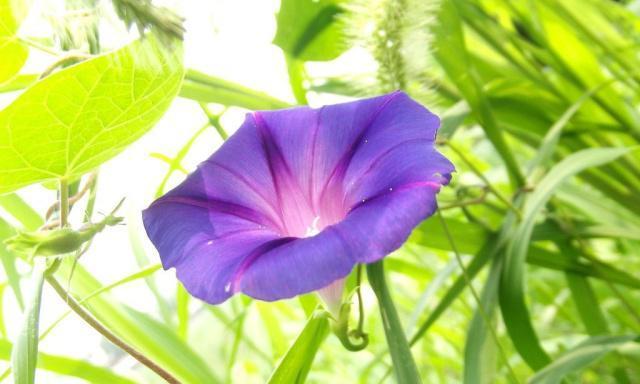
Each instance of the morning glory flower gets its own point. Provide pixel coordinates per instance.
(297, 197)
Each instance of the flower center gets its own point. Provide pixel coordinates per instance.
(313, 229)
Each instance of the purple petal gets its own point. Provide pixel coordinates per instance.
(293, 200)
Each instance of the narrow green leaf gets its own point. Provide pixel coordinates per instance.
(272, 325)
(142, 259)
(309, 30)
(175, 164)
(229, 324)
(22, 211)
(548, 145)
(454, 58)
(25, 350)
(3, 328)
(308, 302)
(430, 291)
(90, 112)
(562, 262)
(8, 261)
(404, 367)
(106, 288)
(294, 366)
(583, 296)
(480, 347)
(481, 258)
(237, 338)
(452, 119)
(18, 83)
(182, 308)
(580, 357)
(587, 304)
(469, 236)
(71, 367)
(13, 52)
(208, 89)
(514, 310)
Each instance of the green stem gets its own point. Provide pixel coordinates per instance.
(296, 71)
(360, 301)
(64, 202)
(95, 324)
(481, 175)
(214, 120)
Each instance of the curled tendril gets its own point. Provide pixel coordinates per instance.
(353, 340)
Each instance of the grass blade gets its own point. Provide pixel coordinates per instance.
(580, 357)
(8, 261)
(514, 310)
(480, 347)
(71, 367)
(454, 58)
(403, 365)
(25, 351)
(208, 89)
(23, 212)
(294, 366)
(182, 307)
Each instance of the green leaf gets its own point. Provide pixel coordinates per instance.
(208, 89)
(13, 52)
(580, 357)
(403, 365)
(75, 119)
(514, 310)
(294, 366)
(25, 351)
(71, 367)
(310, 30)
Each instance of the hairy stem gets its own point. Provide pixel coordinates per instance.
(95, 324)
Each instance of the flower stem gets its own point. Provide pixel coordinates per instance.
(360, 302)
(64, 202)
(481, 175)
(95, 324)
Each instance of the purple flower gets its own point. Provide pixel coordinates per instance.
(297, 197)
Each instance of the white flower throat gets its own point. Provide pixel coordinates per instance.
(313, 229)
